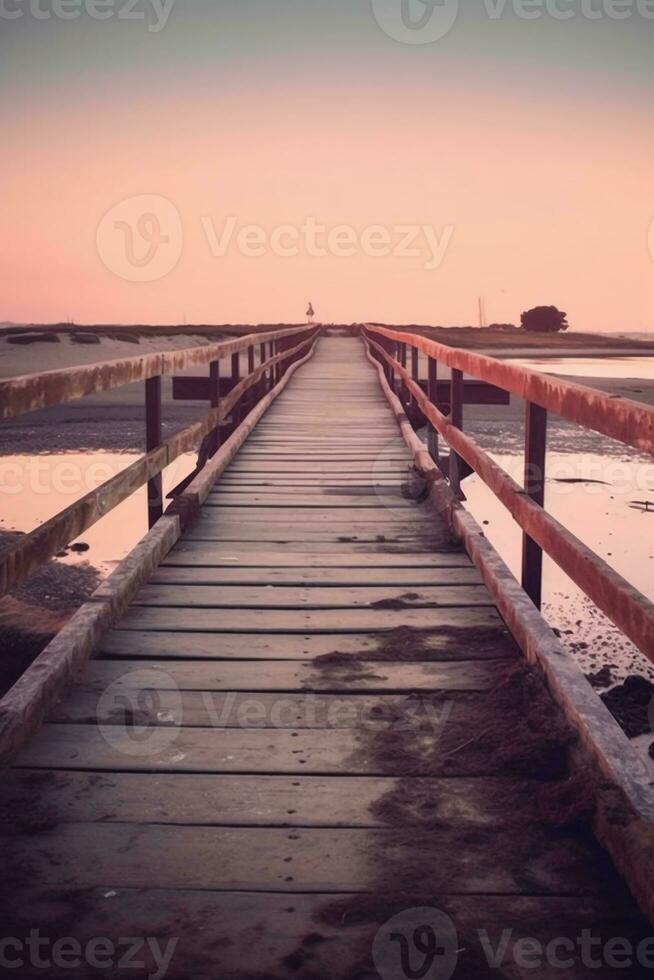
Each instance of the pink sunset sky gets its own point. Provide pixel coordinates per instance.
(160, 172)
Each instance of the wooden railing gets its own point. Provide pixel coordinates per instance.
(278, 350)
(627, 421)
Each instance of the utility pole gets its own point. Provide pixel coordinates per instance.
(482, 312)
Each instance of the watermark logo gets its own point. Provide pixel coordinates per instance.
(139, 713)
(141, 238)
(417, 944)
(153, 12)
(416, 21)
(427, 21)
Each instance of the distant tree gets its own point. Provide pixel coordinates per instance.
(502, 326)
(544, 319)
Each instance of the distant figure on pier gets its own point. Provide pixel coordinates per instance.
(310, 314)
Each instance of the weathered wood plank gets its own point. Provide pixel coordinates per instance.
(224, 750)
(302, 621)
(210, 527)
(271, 498)
(196, 553)
(81, 855)
(195, 596)
(266, 451)
(489, 644)
(379, 467)
(319, 577)
(309, 929)
(257, 801)
(421, 517)
(150, 706)
(289, 676)
(319, 547)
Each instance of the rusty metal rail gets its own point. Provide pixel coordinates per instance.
(620, 419)
(32, 392)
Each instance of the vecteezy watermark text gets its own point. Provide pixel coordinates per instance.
(317, 240)
(153, 12)
(423, 942)
(141, 239)
(427, 21)
(101, 953)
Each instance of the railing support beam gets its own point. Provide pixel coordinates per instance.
(456, 418)
(236, 374)
(214, 376)
(432, 389)
(153, 437)
(535, 455)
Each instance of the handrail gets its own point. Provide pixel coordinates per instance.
(619, 418)
(32, 392)
(31, 550)
(625, 606)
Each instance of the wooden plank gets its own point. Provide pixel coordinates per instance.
(227, 750)
(289, 676)
(196, 553)
(81, 855)
(376, 438)
(293, 597)
(380, 466)
(210, 526)
(88, 705)
(320, 547)
(264, 934)
(420, 516)
(331, 453)
(491, 643)
(257, 801)
(304, 620)
(324, 577)
(318, 483)
(271, 498)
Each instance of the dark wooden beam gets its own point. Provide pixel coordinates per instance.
(535, 455)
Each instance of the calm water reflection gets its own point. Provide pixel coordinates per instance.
(35, 488)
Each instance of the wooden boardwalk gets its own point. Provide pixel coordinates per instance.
(311, 719)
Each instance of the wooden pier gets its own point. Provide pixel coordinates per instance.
(310, 719)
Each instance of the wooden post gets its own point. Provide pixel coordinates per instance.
(263, 387)
(415, 370)
(252, 394)
(278, 366)
(456, 418)
(236, 377)
(432, 394)
(535, 456)
(153, 436)
(390, 372)
(214, 378)
(404, 394)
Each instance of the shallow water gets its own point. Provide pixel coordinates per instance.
(35, 488)
(590, 367)
(604, 516)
